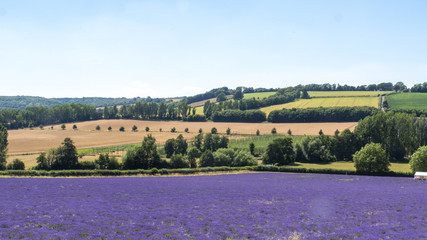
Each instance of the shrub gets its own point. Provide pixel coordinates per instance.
(16, 165)
(134, 128)
(98, 128)
(221, 159)
(273, 131)
(122, 129)
(110, 128)
(371, 158)
(243, 158)
(63, 126)
(200, 130)
(74, 127)
(186, 130)
(257, 132)
(192, 154)
(418, 162)
(228, 131)
(87, 165)
(147, 129)
(290, 132)
(113, 164)
(173, 129)
(178, 161)
(214, 130)
(154, 171)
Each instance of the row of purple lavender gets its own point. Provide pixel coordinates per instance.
(240, 206)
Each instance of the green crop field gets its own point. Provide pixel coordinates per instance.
(259, 95)
(408, 101)
(260, 142)
(322, 94)
(326, 102)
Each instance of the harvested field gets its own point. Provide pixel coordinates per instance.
(34, 141)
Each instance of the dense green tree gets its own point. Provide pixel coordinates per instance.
(273, 131)
(180, 145)
(66, 156)
(304, 94)
(238, 94)
(169, 147)
(396, 132)
(144, 156)
(315, 149)
(228, 131)
(122, 129)
(198, 141)
(3, 146)
(280, 152)
(74, 127)
(63, 126)
(418, 162)
(207, 159)
(252, 148)
(214, 130)
(371, 158)
(98, 128)
(192, 154)
(221, 97)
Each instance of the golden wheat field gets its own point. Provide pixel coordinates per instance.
(26, 141)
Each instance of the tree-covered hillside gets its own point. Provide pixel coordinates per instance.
(22, 102)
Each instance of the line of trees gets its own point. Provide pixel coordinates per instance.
(36, 116)
(330, 114)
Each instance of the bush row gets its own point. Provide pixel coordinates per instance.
(154, 171)
(332, 114)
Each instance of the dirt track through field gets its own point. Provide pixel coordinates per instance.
(36, 140)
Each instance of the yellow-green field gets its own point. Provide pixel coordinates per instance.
(199, 110)
(326, 102)
(322, 94)
(395, 167)
(259, 95)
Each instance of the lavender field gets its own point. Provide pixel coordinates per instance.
(241, 206)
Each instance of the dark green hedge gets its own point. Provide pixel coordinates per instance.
(239, 116)
(333, 114)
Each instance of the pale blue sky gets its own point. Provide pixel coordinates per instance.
(76, 48)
